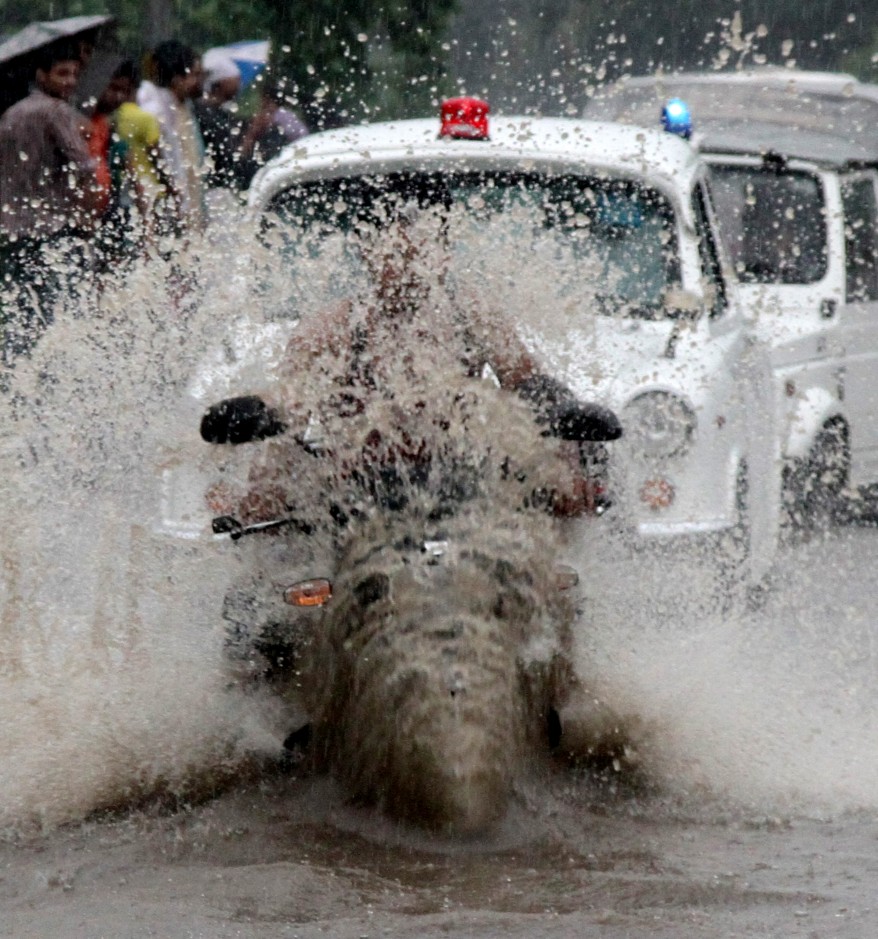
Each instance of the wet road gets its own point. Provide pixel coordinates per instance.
(283, 858)
(757, 814)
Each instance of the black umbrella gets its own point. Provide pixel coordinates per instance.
(18, 53)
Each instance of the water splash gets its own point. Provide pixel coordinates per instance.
(768, 711)
(112, 682)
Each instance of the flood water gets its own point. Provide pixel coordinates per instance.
(138, 790)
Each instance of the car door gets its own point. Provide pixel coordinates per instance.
(859, 321)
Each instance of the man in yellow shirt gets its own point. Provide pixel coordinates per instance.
(148, 179)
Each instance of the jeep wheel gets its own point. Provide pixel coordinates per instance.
(815, 487)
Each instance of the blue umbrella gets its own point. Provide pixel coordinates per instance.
(251, 57)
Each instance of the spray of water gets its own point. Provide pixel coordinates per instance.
(112, 679)
(111, 683)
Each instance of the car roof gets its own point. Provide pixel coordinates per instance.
(659, 158)
(828, 118)
(760, 137)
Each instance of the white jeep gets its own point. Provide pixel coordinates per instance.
(597, 240)
(793, 176)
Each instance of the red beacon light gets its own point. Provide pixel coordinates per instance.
(465, 119)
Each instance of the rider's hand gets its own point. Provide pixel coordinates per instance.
(576, 501)
(575, 495)
(263, 504)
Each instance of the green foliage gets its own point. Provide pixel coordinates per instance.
(317, 47)
(549, 55)
(863, 61)
(363, 57)
(344, 59)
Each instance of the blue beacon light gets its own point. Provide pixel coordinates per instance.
(677, 119)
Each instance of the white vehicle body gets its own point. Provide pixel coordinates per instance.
(688, 384)
(832, 103)
(812, 135)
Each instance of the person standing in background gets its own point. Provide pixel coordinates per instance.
(220, 128)
(270, 129)
(49, 199)
(146, 182)
(99, 132)
(178, 82)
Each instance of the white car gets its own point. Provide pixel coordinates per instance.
(794, 178)
(597, 240)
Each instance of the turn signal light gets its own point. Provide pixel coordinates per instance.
(309, 592)
(657, 493)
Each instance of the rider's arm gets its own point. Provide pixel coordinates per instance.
(555, 405)
(246, 418)
(496, 342)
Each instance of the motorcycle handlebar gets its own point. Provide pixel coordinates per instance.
(247, 417)
(240, 420)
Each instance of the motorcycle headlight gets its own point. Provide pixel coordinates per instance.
(659, 424)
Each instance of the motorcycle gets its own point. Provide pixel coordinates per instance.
(433, 654)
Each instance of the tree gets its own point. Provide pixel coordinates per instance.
(353, 60)
(344, 59)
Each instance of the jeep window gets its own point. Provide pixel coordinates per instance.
(772, 223)
(611, 241)
(860, 238)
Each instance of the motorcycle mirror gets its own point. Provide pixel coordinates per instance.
(565, 416)
(240, 420)
(585, 421)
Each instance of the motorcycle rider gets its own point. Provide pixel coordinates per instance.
(354, 351)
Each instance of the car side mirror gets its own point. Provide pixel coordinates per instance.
(240, 420)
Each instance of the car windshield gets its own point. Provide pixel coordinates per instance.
(772, 223)
(610, 244)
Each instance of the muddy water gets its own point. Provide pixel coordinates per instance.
(138, 792)
(755, 814)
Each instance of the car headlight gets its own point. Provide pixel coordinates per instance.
(659, 424)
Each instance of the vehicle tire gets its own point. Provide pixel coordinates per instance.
(815, 488)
